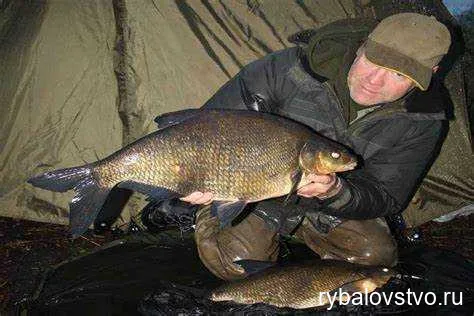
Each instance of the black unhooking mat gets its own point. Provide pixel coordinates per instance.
(163, 275)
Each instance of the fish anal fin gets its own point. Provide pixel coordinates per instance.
(361, 285)
(348, 289)
(113, 205)
(227, 211)
(154, 193)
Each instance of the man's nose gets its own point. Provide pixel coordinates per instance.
(377, 76)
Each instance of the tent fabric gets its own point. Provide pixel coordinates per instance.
(83, 79)
(449, 185)
(58, 94)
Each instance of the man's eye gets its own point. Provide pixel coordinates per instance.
(398, 76)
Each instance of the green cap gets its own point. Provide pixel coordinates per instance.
(410, 44)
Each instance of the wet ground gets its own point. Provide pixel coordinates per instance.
(28, 249)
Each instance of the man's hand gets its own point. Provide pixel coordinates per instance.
(320, 186)
(199, 198)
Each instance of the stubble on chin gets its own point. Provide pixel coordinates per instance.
(357, 94)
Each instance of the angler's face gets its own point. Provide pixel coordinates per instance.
(370, 84)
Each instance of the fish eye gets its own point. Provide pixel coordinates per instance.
(335, 155)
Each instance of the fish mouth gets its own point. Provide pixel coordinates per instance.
(349, 166)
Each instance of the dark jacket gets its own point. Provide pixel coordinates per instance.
(397, 141)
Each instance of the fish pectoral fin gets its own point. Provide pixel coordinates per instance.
(227, 211)
(154, 193)
(353, 287)
(173, 118)
(295, 180)
(254, 266)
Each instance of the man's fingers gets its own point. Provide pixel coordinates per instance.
(206, 198)
(304, 194)
(192, 197)
(313, 189)
(321, 178)
(198, 198)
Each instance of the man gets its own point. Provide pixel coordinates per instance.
(372, 94)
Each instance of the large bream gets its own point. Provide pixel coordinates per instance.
(239, 156)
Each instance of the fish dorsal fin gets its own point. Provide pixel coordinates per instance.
(295, 180)
(173, 118)
(227, 211)
(254, 266)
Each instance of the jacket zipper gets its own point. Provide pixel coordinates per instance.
(341, 108)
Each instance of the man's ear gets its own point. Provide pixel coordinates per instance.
(435, 68)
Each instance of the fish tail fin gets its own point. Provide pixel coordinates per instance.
(89, 198)
(86, 204)
(60, 180)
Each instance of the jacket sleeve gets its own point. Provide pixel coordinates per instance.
(386, 182)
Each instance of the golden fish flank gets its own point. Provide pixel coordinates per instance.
(239, 156)
(302, 286)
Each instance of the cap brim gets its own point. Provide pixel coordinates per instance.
(390, 59)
